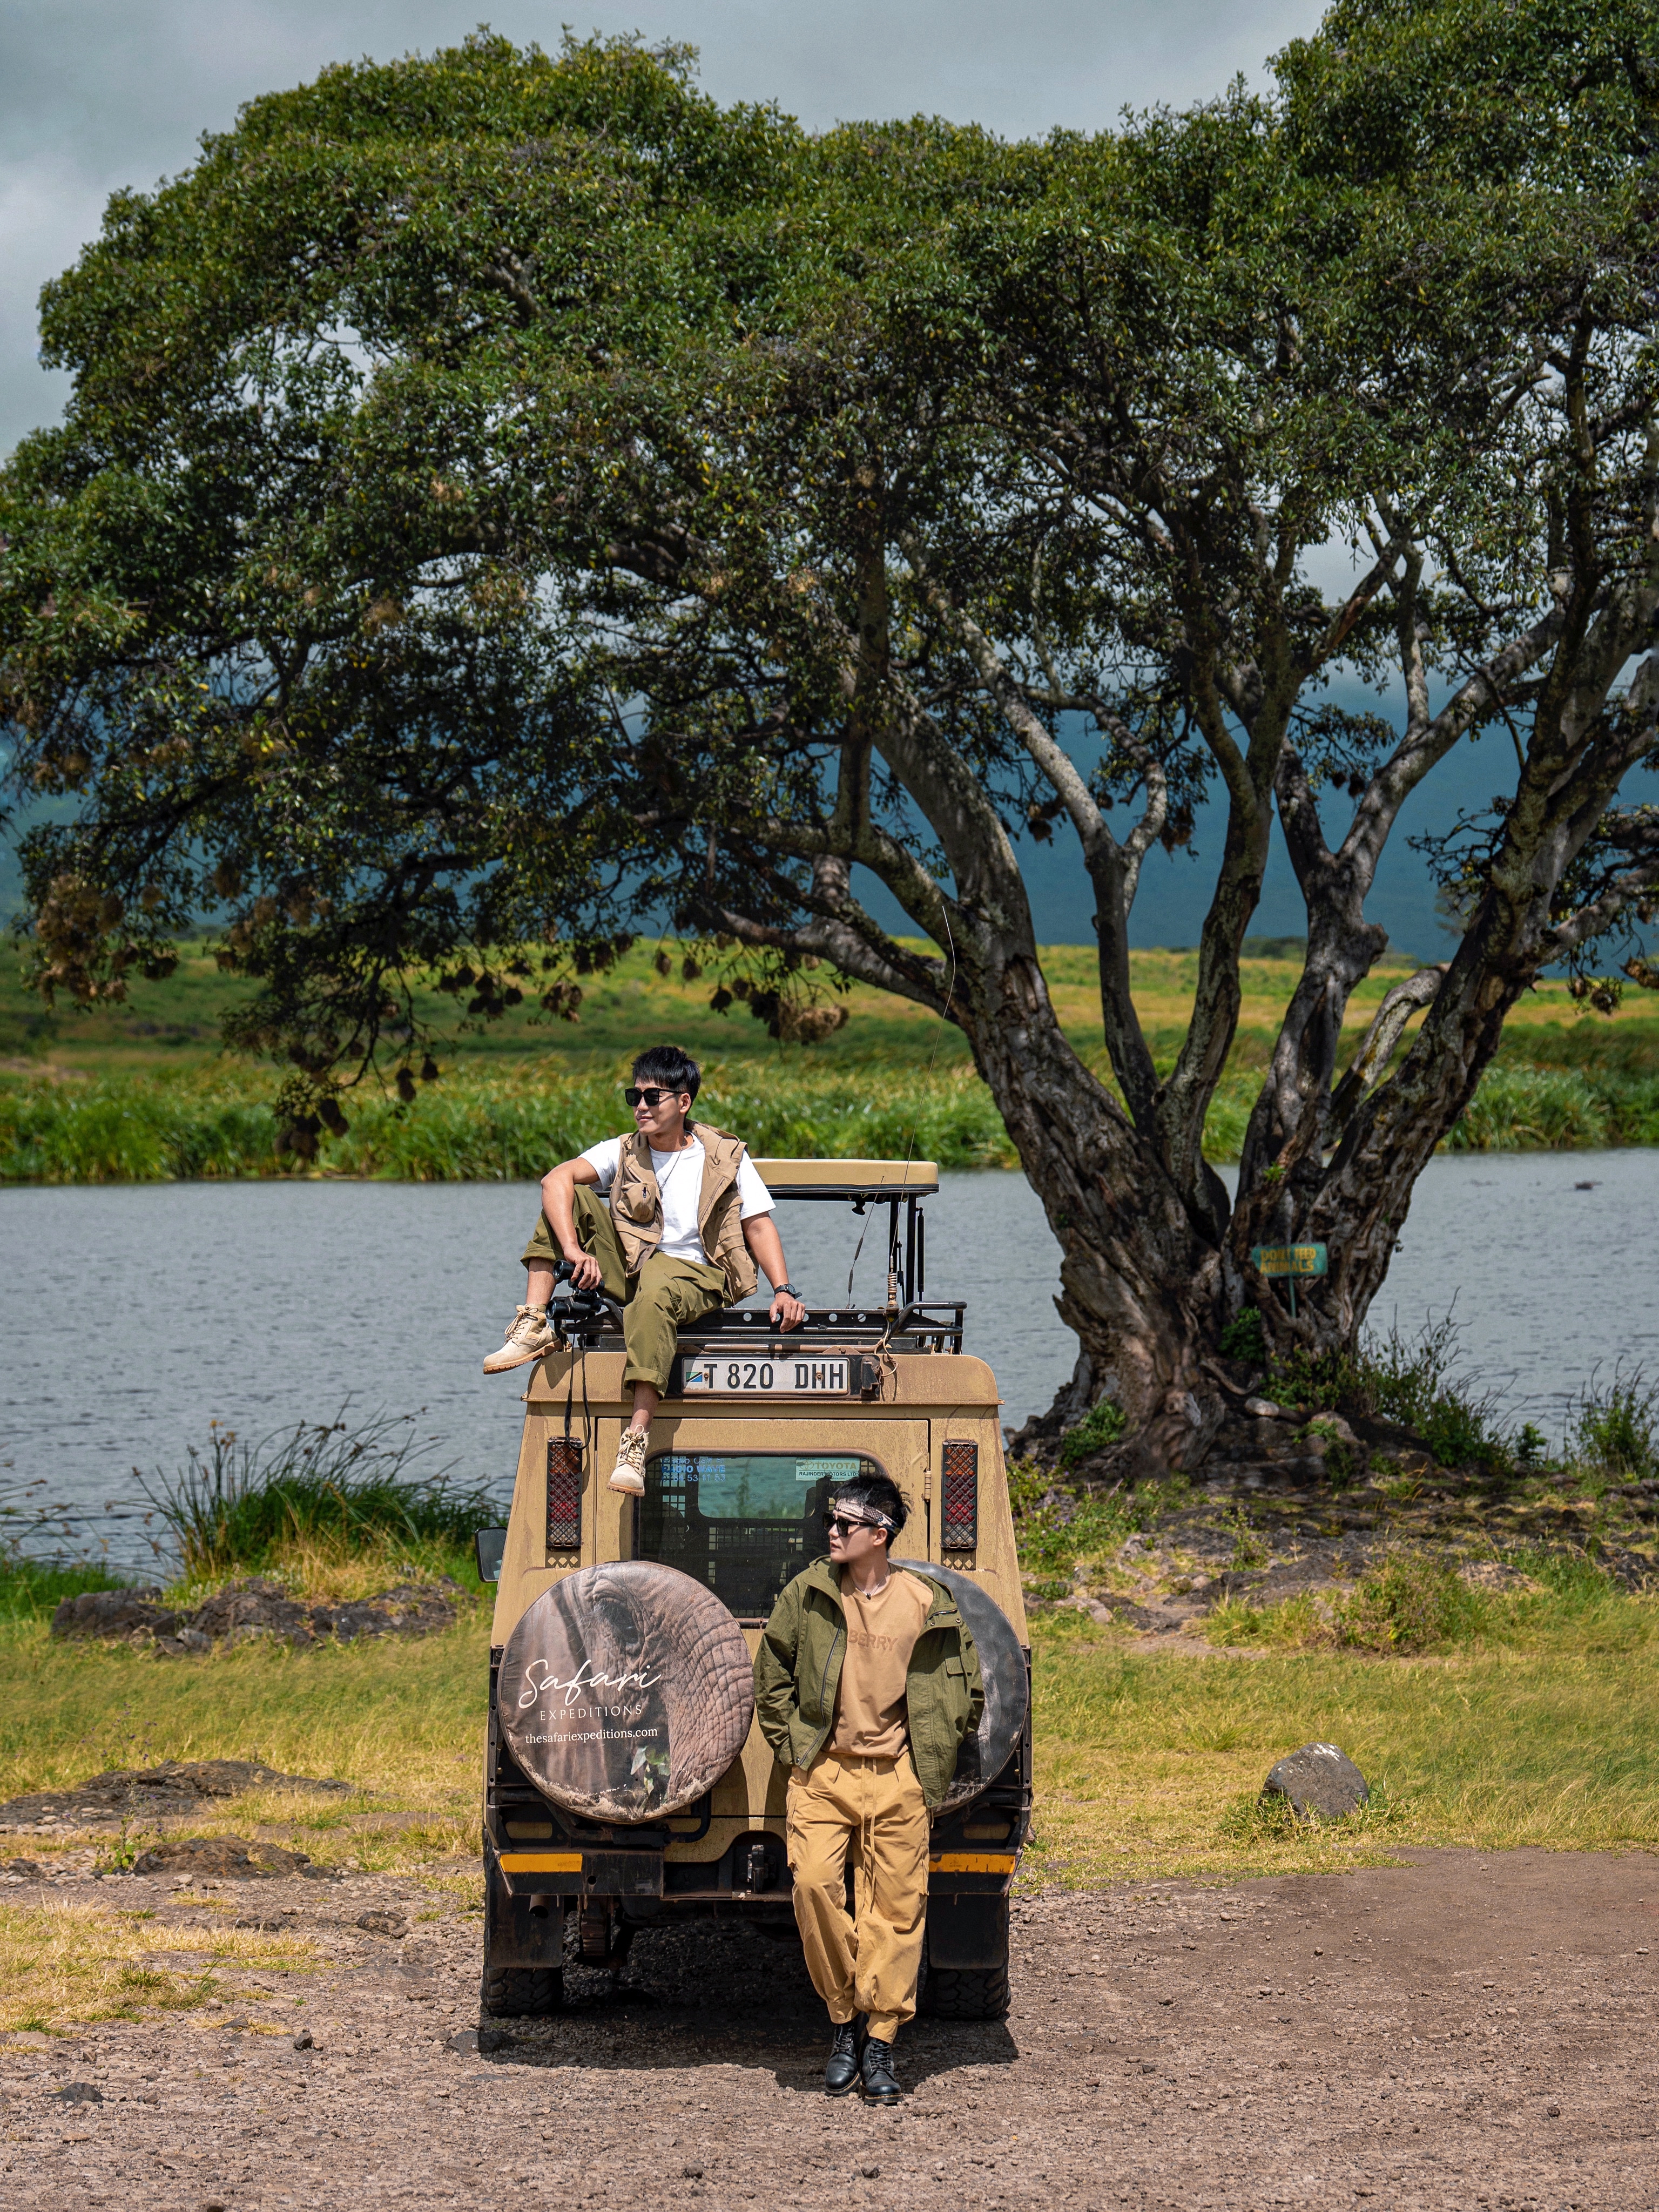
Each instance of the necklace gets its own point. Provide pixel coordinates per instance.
(665, 1175)
(877, 1590)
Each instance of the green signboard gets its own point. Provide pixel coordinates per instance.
(1292, 1260)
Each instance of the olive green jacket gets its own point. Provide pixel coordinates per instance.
(798, 1673)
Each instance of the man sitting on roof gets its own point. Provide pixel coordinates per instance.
(688, 1219)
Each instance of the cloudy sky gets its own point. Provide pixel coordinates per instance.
(96, 94)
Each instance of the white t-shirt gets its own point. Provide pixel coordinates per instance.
(679, 1178)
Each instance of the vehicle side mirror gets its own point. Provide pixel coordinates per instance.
(490, 1544)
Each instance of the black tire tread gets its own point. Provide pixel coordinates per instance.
(966, 1993)
(523, 1992)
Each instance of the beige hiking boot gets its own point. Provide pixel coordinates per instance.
(628, 1472)
(528, 1338)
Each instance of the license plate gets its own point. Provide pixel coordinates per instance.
(741, 1375)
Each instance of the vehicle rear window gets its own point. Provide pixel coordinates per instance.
(744, 1522)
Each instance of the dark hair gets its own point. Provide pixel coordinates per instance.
(878, 1493)
(666, 1065)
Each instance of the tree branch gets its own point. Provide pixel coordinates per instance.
(1387, 1026)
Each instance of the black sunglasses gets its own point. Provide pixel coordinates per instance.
(837, 1524)
(648, 1096)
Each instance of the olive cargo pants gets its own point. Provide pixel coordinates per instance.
(664, 1296)
(868, 1963)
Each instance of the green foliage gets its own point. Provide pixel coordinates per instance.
(1531, 1446)
(484, 1124)
(1617, 1429)
(1248, 1550)
(1051, 1539)
(1410, 1382)
(1410, 1603)
(1054, 1527)
(237, 1506)
(481, 1126)
(1243, 1338)
(1297, 1376)
(1102, 1425)
(1520, 1109)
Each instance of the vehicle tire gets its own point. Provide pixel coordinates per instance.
(625, 1692)
(966, 1993)
(1002, 1666)
(523, 1992)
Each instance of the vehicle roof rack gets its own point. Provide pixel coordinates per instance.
(849, 1178)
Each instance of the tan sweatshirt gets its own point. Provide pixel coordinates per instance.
(870, 1720)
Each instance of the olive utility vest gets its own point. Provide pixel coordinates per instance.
(636, 1207)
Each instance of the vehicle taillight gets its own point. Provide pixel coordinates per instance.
(564, 1495)
(959, 1528)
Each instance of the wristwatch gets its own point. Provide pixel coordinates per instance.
(786, 1291)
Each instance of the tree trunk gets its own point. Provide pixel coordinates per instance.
(1140, 1284)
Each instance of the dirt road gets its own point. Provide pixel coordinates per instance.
(1465, 2030)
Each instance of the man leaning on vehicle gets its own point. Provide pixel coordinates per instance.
(866, 1684)
(686, 1220)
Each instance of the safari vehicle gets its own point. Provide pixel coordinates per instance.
(627, 1785)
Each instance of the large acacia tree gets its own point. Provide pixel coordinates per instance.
(505, 497)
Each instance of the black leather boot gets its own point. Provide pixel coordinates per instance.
(842, 2070)
(879, 2082)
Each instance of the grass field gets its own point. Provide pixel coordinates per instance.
(141, 1092)
(1149, 1761)
(1148, 1764)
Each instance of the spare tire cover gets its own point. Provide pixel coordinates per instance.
(625, 1692)
(1007, 1690)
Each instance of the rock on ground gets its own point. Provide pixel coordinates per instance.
(230, 1858)
(1319, 1782)
(1458, 2032)
(253, 1608)
(174, 1789)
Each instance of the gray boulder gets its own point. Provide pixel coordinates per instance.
(1319, 1782)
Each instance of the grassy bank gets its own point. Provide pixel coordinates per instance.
(476, 1125)
(138, 1093)
(506, 1124)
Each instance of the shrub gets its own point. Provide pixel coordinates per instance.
(1299, 1377)
(1531, 1447)
(1243, 1338)
(1408, 1604)
(237, 1506)
(1411, 1382)
(1102, 1426)
(1052, 1538)
(1615, 1429)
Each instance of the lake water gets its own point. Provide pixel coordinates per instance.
(132, 1316)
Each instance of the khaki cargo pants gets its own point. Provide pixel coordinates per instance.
(867, 1962)
(656, 1303)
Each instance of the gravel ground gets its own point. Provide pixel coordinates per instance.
(1461, 2031)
